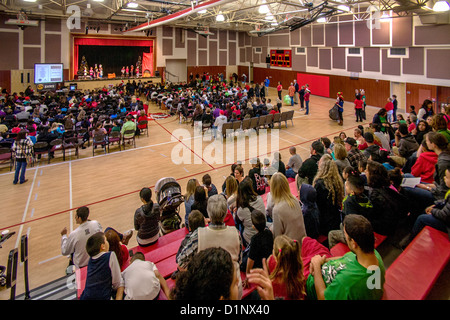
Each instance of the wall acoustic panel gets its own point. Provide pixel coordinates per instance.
(223, 39)
(215, 34)
(248, 54)
(325, 59)
(371, 59)
(382, 35)
(231, 35)
(180, 40)
(345, 30)
(279, 41)
(260, 41)
(223, 58)
(53, 25)
(167, 31)
(312, 59)
(299, 62)
(241, 39)
(191, 34)
(331, 32)
(202, 42)
(231, 54)
(30, 57)
(242, 58)
(306, 36)
(10, 57)
(402, 32)
(213, 53)
(438, 63)
(32, 35)
(390, 66)
(295, 37)
(438, 34)
(339, 58)
(354, 64)
(202, 57)
(318, 36)
(167, 47)
(362, 34)
(52, 48)
(415, 63)
(192, 52)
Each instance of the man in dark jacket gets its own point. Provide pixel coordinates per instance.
(310, 166)
(371, 146)
(405, 142)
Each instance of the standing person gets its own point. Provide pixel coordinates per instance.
(244, 78)
(301, 94)
(291, 92)
(75, 244)
(362, 92)
(266, 85)
(306, 97)
(103, 279)
(279, 90)
(146, 219)
(390, 109)
(297, 89)
(286, 212)
(308, 169)
(189, 199)
(294, 164)
(22, 148)
(359, 107)
(395, 103)
(340, 103)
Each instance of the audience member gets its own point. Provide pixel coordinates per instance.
(146, 219)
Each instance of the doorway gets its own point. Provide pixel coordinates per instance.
(176, 70)
(399, 89)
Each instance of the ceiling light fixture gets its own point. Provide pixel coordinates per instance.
(132, 5)
(322, 20)
(202, 11)
(220, 17)
(441, 6)
(343, 7)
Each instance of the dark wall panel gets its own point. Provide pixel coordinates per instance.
(202, 57)
(382, 35)
(180, 41)
(295, 37)
(167, 31)
(325, 59)
(30, 57)
(438, 34)
(338, 58)
(53, 25)
(223, 39)
(345, 30)
(202, 42)
(167, 47)
(32, 35)
(52, 48)
(223, 58)
(318, 34)
(231, 54)
(415, 63)
(213, 53)
(438, 63)
(354, 64)
(402, 32)
(371, 59)
(299, 62)
(331, 31)
(306, 36)
(312, 58)
(191, 52)
(390, 66)
(362, 34)
(279, 41)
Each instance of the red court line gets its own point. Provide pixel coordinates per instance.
(136, 191)
(184, 145)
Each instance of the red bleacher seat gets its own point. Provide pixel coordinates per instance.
(412, 275)
(250, 289)
(162, 241)
(341, 248)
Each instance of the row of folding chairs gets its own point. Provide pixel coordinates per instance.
(256, 123)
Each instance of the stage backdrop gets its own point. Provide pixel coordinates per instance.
(113, 54)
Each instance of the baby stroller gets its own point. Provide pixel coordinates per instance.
(169, 198)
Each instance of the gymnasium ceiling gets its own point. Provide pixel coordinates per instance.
(240, 15)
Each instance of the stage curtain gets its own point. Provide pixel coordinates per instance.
(147, 62)
(108, 42)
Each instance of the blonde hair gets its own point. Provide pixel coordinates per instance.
(190, 188)
(231, 186)
(280, 191)
(329, 173)
(340, 152)
(289, 266)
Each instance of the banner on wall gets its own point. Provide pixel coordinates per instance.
(147, 64)
(319, 85)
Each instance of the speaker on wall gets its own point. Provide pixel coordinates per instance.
(157, 73)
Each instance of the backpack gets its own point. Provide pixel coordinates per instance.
(334, 113)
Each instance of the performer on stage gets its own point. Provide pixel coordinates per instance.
(131, 71)
(123, 71)
(137, 71)
(100, 72)
(91, 73)
(85, 71)
(127, 72)
(96, 71)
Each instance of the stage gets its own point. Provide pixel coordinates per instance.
(97, 84)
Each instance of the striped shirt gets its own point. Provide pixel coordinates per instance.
(22, 148)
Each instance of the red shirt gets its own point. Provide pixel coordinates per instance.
(279, 87)
(389, 106)
(424, 167)
(359, 104)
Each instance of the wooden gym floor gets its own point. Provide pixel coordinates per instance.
(109, 184)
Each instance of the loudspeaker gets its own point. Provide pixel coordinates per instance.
(157, 73)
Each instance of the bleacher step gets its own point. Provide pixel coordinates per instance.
(60, 289)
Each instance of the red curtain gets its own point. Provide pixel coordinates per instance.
(112, 42)
(147, 63)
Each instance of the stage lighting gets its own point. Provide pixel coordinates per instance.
(132, 4)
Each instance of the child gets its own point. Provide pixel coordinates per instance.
(356, 202)
(212, 190)
(362, 165)
(102, 271)
(143, 280)
(286, 269)
(261, 244)
(195, 221)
